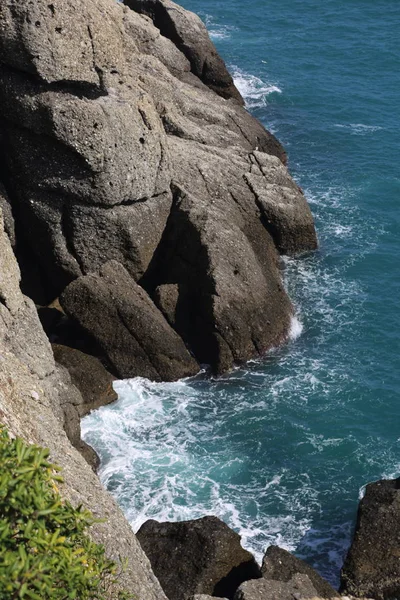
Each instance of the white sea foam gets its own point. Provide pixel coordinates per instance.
(218, 31)
(296, 328)
(254, 90)
(177, 451)
(359, 128)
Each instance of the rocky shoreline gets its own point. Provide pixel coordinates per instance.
(143, 212)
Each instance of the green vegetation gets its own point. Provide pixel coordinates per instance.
(45, 553)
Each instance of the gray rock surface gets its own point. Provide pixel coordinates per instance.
(372, 566)
(280, 565)
(224, 269)
(203, 597)
(203, 556)
(132, 332)
(9, 223)
(189, 34)
(299, 587)
(32, 393)
(89, 376)
(111, 134)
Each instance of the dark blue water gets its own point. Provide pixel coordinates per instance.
(282, 449)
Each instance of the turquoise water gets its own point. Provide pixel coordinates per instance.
(282, 449)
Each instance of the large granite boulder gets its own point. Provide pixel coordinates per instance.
(112, 135)
(280, 565)
(372, 566)
(33, 395)
(203, 556)
(133, 334)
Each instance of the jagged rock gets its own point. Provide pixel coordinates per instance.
(109, 139)
(190, 36)
(283, 206)
(33, 395)
(9, 224)
(280, 565)
(372, 566)
(134, 335)
(203, 556)
(217, 267)
(299, 587)
(89, 376)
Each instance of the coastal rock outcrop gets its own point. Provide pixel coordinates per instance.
(203, 556)
(134, 336)
(372, 566)
(33, 392)
(123, 138)
(190, 36)
(299, 587)
(88, 375)
(280, 565)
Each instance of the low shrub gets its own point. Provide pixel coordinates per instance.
(45, 552)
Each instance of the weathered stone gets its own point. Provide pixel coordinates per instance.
(203, 597)
(5, 206)
(103, 113)
(280, 565)
(33, 395)
(228, 302)
(190, 36)
(372, 566)
(203, 556)
(286, 215)
(299, 587)
(133, 334)
(89, 376)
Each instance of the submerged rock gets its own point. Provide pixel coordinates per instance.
(203, 556)
(372, 566)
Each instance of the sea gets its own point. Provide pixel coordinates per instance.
(281, 449)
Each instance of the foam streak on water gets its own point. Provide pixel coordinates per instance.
(282, 449)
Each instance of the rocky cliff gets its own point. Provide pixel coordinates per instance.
(137, 190)
(124, 139)
(35, 397)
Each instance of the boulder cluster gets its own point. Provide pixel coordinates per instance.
(138, 192)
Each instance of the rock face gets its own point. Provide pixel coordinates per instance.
(189, 34)
(203, 556)
(95, 385)
(299, 587)
(33, 394)
(123, 138)
(5, 206)
(280, 565)
(89, 376)
(135, 337)
(372, 566)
